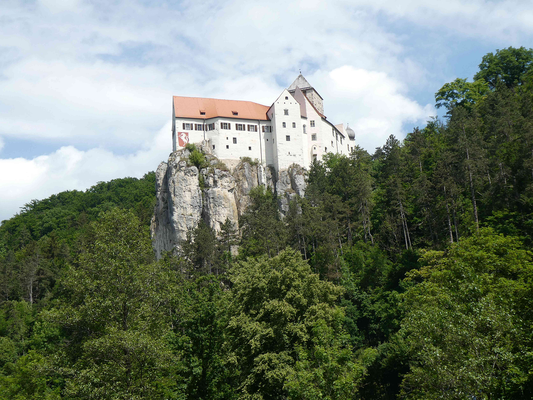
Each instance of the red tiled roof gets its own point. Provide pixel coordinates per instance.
(191, 107)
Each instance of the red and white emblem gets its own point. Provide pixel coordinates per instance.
(183, 138)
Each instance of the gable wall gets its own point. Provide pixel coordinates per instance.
(287, 152)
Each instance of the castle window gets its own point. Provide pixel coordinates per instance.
(294, 124)
(304, 128)
(252, 128)
(312, 123)
(188, 126)
(287, 138)
(313, 137)
(267, 128)
(283, 124)
(234, 140)
(286, 97)
(199, 127)
(332, 143)
(325, 149)
(210, 127)
(341, 139)
(286, 112)
(239, 127)
(235, 113)
(249, 147)
(213, 147)
(227, 146)
(225, 125)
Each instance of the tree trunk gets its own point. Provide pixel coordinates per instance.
(448, 216)
(455, 224)
(405, 227)
(472, 191)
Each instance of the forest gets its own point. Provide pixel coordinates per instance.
(402, 274)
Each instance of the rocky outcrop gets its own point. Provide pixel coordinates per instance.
(290, 183)
(185, 195)
(220, 200)
(179, 204)
(248, 175)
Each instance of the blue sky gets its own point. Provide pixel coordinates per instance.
(86, 86)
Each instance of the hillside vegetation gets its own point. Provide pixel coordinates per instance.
(403, 274)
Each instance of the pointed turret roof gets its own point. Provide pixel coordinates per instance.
(300, 82)
(351, 133)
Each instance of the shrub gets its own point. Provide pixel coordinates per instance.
(250, 161)
(191, 147)
(197, 159)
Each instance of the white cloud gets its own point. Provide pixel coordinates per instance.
(60, 5)
(71, 169)
(374, 104)
(484, 19)
(82, 103)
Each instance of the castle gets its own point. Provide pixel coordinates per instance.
(293, 130)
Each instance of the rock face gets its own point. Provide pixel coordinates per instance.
(220, 202)
(186, 195)
(291, 183)
(179, 202)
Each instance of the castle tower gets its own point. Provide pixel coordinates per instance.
(287, 134)
(309, 91)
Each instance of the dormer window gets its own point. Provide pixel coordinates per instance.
(202, 112)
(235, 112)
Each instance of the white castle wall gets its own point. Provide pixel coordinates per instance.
(227, 144)
(289, 146)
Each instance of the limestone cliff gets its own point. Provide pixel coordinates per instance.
(185, 195)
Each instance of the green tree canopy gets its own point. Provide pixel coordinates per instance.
(508, 65)
(461, 93)
(468, 323)
(283, 321)
(115, 310)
